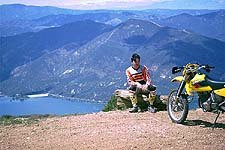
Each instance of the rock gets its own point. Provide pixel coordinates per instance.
(122, 100)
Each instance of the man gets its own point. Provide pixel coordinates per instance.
(139, 81)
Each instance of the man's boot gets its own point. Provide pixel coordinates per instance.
(151, 99)
(151, 109)
(134, 103)
(134, 109)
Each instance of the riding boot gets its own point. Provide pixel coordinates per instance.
(134, 103)
(151, 99)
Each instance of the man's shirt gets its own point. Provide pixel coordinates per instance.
(140, 75)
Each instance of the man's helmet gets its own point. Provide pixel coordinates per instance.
(135, 56)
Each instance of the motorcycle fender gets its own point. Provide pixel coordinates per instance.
(177, 79)
(220, 92)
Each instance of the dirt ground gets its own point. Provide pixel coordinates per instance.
(117, 130)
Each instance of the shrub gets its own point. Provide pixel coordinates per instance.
(111, 105)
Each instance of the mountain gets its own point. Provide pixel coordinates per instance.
(190, 4)
(114, 17)
(17, 18)
(12, 12)
(211, 24)
(10, 28)
(106, 17)
(21, 49)
(14, 27)
(165, 13)
(94, 70)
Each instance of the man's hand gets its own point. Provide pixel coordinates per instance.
(138, 84)
(135, 83)
(144, 87)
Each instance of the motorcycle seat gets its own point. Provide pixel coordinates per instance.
(215, 84)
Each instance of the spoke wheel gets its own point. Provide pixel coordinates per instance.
(177, 111)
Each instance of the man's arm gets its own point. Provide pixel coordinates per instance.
(146, 75)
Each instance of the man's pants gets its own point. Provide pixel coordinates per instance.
(149, 91)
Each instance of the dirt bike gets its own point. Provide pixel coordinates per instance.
(211, 93)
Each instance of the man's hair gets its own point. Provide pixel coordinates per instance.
(135, 56)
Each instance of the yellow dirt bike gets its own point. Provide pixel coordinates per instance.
(211, 93)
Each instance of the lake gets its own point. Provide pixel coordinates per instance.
(46, 105)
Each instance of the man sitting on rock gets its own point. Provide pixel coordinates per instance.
(139, 81)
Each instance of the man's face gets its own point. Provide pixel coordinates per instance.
(136, 62)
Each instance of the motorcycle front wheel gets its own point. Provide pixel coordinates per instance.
(177, 111)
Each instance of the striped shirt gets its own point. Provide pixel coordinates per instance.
(140, 75)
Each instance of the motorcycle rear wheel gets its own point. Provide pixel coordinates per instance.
(177, 112)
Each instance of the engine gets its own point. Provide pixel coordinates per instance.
(210, 101)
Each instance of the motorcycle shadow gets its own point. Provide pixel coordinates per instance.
(204, 124)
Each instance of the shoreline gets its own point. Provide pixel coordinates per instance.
(24, 97)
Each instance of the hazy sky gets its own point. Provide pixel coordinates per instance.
(124, 4)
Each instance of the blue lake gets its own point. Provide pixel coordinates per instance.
(46, 105)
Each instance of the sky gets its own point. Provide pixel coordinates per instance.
(124, 4)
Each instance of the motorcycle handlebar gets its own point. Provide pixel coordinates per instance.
(207, 68)
(178, 69)
(211, 67)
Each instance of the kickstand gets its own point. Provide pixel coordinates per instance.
(218, 114)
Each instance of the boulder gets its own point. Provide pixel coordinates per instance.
(121, 100)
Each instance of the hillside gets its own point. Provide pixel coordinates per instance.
(95, 69)
(211, 24)
(11, 12)
(116, 130)
(30, 46)
(17, 18)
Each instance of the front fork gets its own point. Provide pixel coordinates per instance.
(179, 92)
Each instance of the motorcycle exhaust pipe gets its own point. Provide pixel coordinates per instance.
(222, 107)
(222, 103)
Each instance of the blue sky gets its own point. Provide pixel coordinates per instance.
(124, 4)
